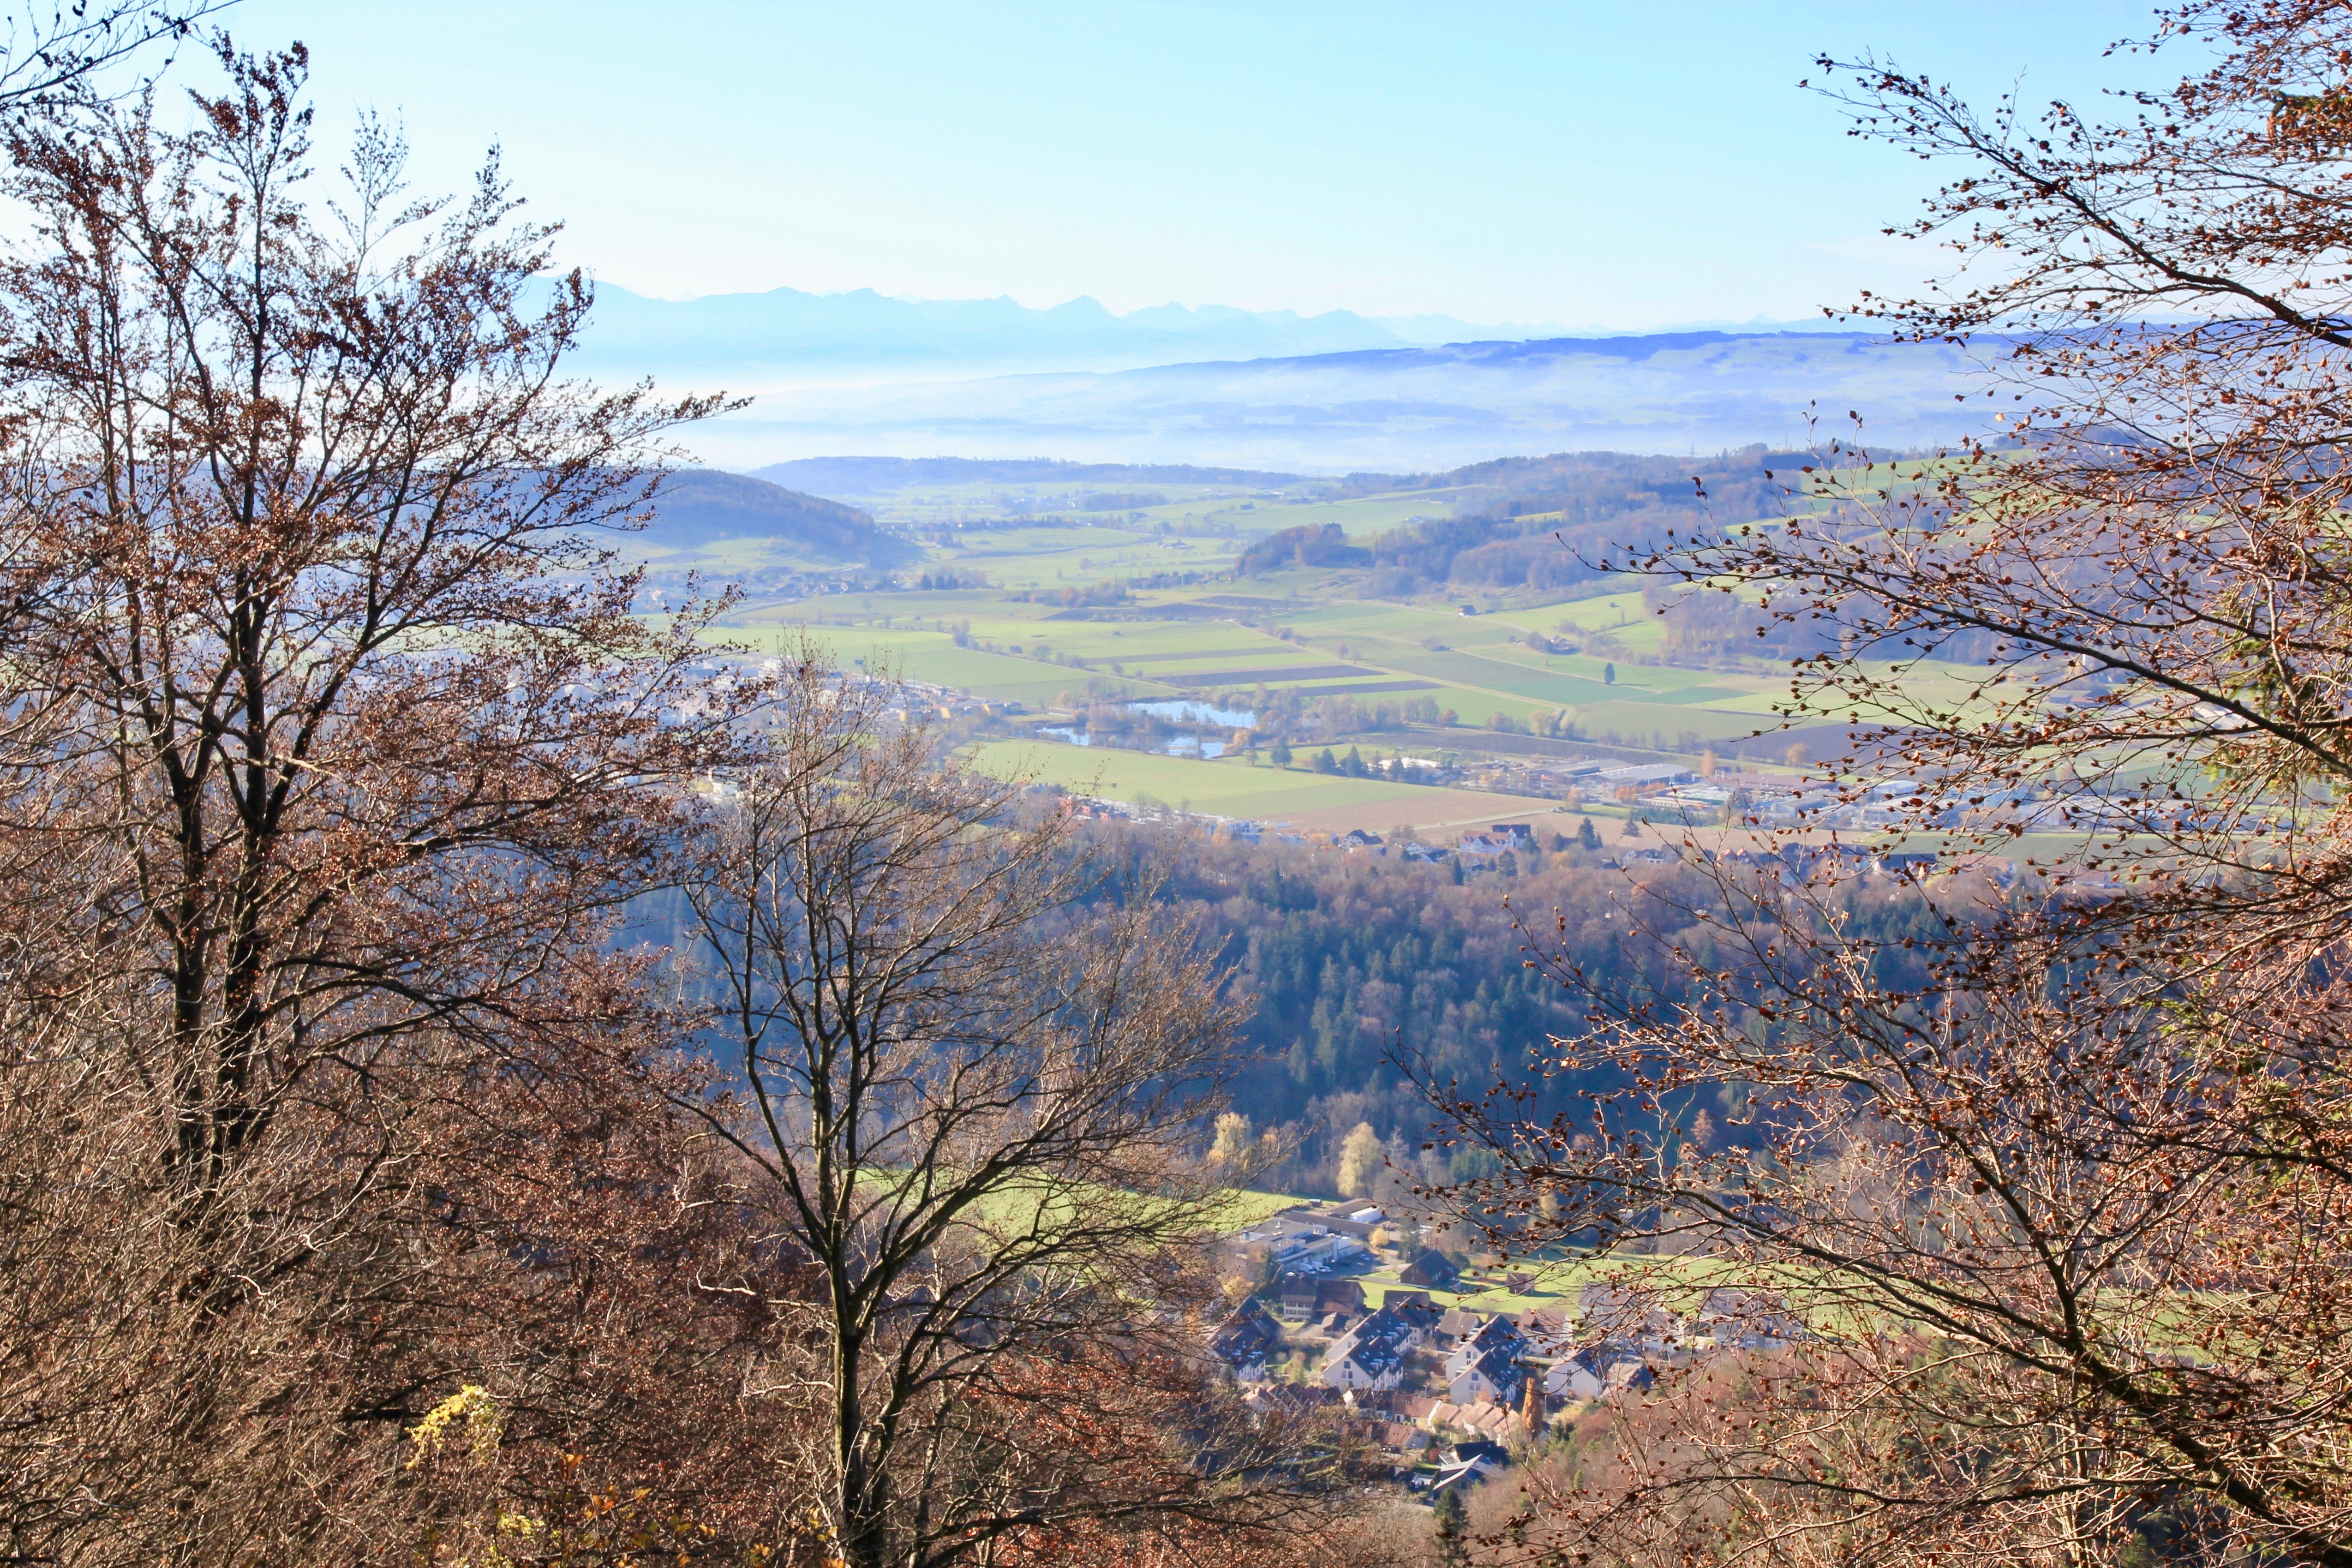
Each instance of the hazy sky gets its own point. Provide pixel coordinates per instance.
(1617, 164)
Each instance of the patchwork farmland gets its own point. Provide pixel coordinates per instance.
(1043, 620)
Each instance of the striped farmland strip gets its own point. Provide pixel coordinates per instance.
(1236, 676)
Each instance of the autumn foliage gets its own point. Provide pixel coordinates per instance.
(2056, 1170)
(366, 1196)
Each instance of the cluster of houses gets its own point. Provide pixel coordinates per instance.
(1562, 779)
(1476, 850)
(1449, 1391)
(1797, 863)
(1302, 1247)
(910, 701)
(1897, 805)
(1763, 800)
(1885, 805)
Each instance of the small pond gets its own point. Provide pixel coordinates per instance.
(1186, 711)
(1177, 746)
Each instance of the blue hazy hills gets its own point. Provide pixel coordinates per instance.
(861, 373)
(1397, 410)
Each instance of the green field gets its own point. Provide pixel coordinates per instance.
(1316, 633)
(1014, 645)
(1231, 787)
(1481, 667)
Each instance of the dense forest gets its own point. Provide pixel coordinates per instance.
(1538, 522)
(1358, 965)
(1348, 964)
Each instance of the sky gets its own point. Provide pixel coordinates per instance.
(1598, 164)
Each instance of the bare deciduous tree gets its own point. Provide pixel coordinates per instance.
(328, 746)
(978, 1073)
(54, 52)
(2060, 1176)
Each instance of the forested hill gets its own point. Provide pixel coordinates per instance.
(1510, 518)
(1353, 963)
(1587, 483)
(1355, 960)
(698, 507)
(1347, 961)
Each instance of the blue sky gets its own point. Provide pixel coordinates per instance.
(1612, 165)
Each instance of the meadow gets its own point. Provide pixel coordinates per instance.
(1237, 637)
(1237, 787)
(1008, 632)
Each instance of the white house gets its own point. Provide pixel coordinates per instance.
(1630, 1314)
(1497, 1333)
(1547, 1332)
(1495, 1376)
(1366, 1368)
(1576, 1377)
(1585, 1374)
(1744, 1319)
(1370, 1356)
(1386, 1322)
(1246, 1340)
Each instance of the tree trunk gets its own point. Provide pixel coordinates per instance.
(860, 1491)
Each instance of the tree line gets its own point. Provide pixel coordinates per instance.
(369, 1196)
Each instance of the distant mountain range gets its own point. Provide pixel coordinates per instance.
(786, 337)
(1397, 410)
(1214, 387)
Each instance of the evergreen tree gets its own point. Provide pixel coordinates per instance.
(1452, 1529)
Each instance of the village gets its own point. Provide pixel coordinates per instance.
(1603, 810)
(1430, 1360)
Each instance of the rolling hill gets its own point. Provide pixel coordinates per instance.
(882, 475)
(1397, 410)
(698, 507)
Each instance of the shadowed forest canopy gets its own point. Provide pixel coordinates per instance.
(1347, 962)
(1305, 546)
(1350, 962)
(699, 506)
(1545, 522)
